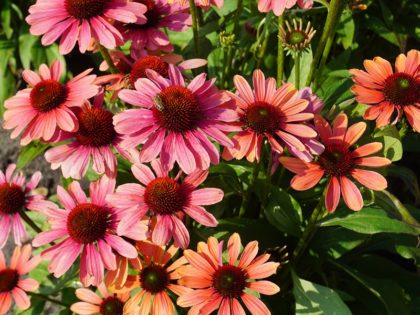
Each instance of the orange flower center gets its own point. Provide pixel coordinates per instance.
(87, 223)
(12, 198)
(96, 128)
(9, 279)
(154, 278)
(152, 14)
(230, 281)
(336, 160)
(261, 117)
(85, 9)
(402, 89)
(176, 109)
(48, 95)
(111, 306)
(150, 62)
(164, 196)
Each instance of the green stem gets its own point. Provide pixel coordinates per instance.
(280, 52)
(247, 196)
(46, 298)
(29, 221)
(263, 48)
(193, 11)
(107, 57)
(267, 180)
(309, 231)
(335, 9)
(297, 70)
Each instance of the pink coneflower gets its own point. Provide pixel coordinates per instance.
(338, 163)
(108, 304)
(385, 91)
(164, 197)
(277, 115)
(159, 14)
(12, 284)
(278, 6)
(205, 4)
(88, 227)
(219, 283)
(134, 67)
(16, 196)
(175, 120)
(43, 109)
(156, 278)
(77, 20)
(95, 139)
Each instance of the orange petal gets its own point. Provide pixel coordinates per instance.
(351, 194)
(306, 180)
(370, 179)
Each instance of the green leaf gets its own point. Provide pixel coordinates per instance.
(30, 152)
(26, 41)
(346, 29)
(371, 221)
(312, 298)
(391, 139)
(284, 212)
(408, 177)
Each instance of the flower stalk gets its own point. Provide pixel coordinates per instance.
(296, 58)
(280, 51)
(335, 9)
(193, 11)
(107, 57)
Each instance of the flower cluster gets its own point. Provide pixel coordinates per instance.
(142, 140)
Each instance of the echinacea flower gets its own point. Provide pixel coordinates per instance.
(278, 6)
(175, 120)
(16, 196)
(277, 115)
(385, 91)
(159, 14)
(13, 285)
(76, 20)
(339, 162)
(220, 282)
(164, 197)
(108, 304)
(94, 140)
(204, 4)
(87, 226)
(156, 278)
(295, 38)
(42, 110)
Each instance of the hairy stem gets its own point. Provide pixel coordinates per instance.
(280, 52)
(29, 221)
(193, 11)
(247, 196)
(107, 57)
(297, 70)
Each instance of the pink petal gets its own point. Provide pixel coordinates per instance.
(351, 194)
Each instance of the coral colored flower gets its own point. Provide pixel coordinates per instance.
(175, 120)
(159, 14)
(105, 305)
(385, 91)
(134, 67)
(43, 109)
(205, 4)
(12, 284)
(95, 139)
(164, 197)
(16, 196)
(277, 115)
(339, 162)
(219, 283)
(115, 279)
(87, 226)
(278, 6)
(75, 20)
(156, 278)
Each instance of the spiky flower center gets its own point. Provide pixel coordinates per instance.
(12, 198)
(336, 160)
(176, 109)
(230, 281)
(296, 37)
(96, 128)
(9, 279)
(149, 62)
(111, 306)
(154, 278)
(85, 9)
(48, 95)
(261, 117)
(87, 223)
(152, 14)
(164, 195)
(402, 89)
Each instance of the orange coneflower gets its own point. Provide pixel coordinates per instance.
(385, 91)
